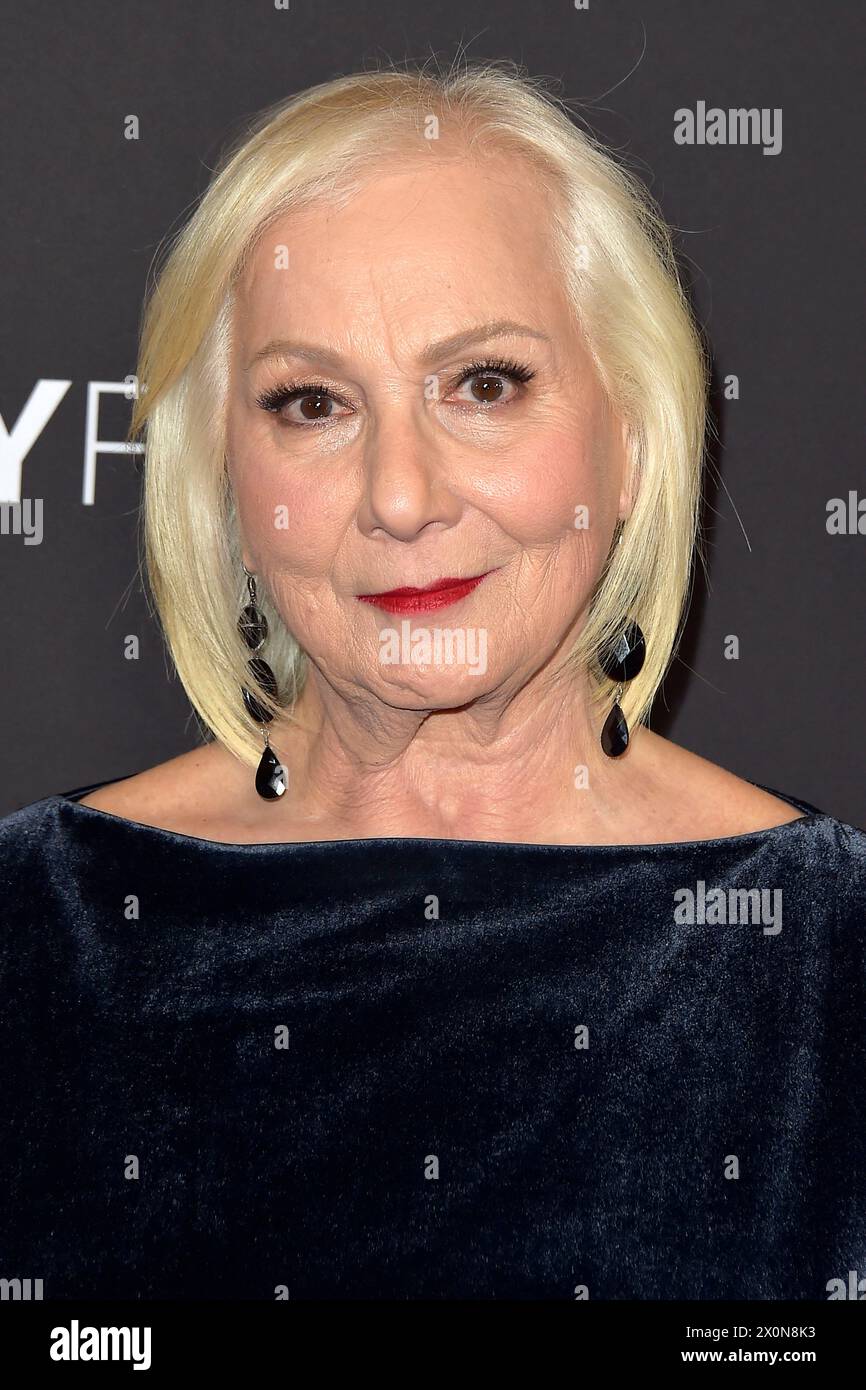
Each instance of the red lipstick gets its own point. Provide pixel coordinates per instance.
(436, 595)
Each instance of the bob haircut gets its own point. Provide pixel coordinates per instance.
(617, 259)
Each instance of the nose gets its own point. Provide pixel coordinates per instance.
(407, 485)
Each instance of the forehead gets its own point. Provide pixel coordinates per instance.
(444, 238)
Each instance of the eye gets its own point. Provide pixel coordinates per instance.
(315, 402)
(487, 389)
(312, 398)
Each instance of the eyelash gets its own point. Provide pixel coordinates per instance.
(276, 397)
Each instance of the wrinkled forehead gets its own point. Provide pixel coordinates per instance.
(430, 243)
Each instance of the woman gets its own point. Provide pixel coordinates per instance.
(433, 972)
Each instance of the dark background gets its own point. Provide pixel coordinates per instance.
(772, 247)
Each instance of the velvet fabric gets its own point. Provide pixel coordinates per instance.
(430, 1069)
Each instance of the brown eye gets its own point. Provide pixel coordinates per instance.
(311, 400)
(487, 380)
(313, 406)
(487, 389)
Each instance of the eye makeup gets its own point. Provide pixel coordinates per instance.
(276, 398)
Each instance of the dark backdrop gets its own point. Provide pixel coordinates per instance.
(773, 249)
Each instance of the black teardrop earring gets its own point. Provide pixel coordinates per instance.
(621, 659)
(253, 627)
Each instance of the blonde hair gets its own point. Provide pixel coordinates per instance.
(617, 258)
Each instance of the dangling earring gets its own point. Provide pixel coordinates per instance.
(621, 660)
(253, 627)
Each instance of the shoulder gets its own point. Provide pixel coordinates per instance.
(829, 863)
(196, 793)
(39, 874)
(691, 798)
(24, 834)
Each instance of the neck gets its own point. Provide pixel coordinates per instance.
(521, 765)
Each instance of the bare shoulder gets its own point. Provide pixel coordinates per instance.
(703, 800)
(195, 793)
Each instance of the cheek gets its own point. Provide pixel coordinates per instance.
(534, 496)
(294, 517)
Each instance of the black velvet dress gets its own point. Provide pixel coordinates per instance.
(431, 1069)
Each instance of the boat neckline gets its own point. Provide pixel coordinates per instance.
(71, 801)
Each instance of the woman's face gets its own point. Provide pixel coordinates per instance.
(435, 446)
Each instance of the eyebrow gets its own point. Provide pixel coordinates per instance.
(432, 353)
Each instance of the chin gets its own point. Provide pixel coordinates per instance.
(435, 690)
(436, 660)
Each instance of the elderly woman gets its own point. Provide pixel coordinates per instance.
(433, 972)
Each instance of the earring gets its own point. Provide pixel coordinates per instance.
(621, 660)
(253, 628)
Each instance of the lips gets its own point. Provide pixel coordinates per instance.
(439, 594)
